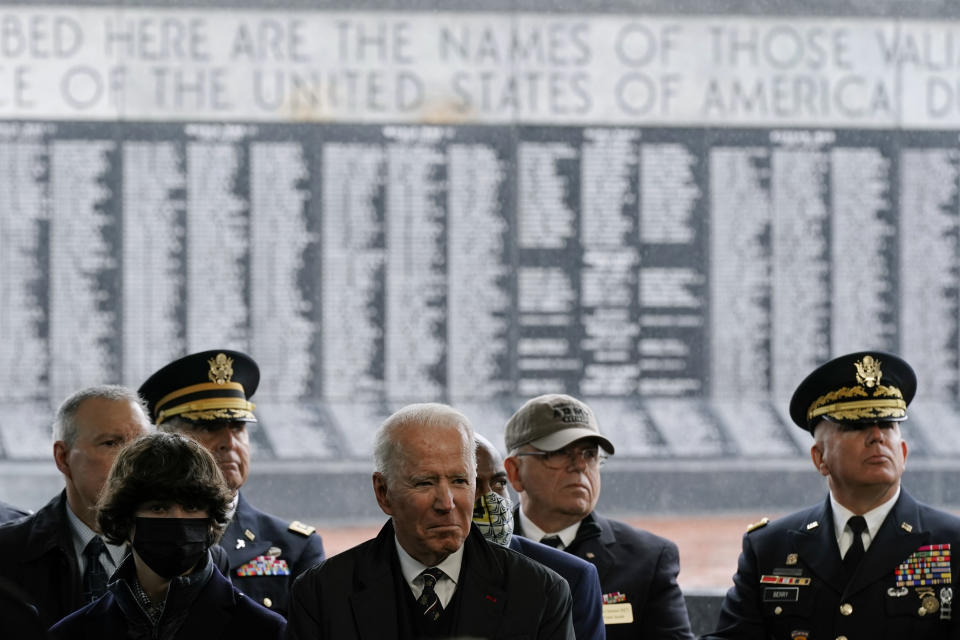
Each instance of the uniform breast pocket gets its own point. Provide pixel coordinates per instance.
(788, 602)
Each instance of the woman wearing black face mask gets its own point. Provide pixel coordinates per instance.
(166, 498)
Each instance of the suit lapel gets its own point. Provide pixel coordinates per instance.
(892, 544)
(594, 537)
(816, 544)
(375, 573)
(236, 534)
(483, 597)
(375, 610)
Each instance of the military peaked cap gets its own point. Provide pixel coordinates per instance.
(203, 387)
(858, 388)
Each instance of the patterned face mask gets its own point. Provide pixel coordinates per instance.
(493, 515)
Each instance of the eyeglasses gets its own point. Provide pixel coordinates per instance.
(568, 457)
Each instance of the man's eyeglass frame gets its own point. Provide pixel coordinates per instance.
(567, 457)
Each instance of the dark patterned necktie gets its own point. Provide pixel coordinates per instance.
(551, 541)
(855, 553)
(429, 601)
(94, 575)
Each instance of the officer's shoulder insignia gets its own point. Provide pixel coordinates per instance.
(758, 525)
(298, 527)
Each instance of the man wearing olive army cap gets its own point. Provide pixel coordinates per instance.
(206, 396)
(554, 442)
(867, 562)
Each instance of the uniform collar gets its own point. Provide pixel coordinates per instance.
(232, 507)
(874, 518)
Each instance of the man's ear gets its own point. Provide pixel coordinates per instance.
(512, 467)
(380, 491)
(60, 452)
(816, 454)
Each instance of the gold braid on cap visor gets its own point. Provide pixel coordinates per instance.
(886, 402)
(227, 406)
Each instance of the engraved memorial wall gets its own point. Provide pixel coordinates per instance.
(673, 217)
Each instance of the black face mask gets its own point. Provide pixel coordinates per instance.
(170, 546)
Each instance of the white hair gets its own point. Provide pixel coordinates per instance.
(64, 424)
(387, 450)
(176, 424)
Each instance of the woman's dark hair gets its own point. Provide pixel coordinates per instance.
(167, 468)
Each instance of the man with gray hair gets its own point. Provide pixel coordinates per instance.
(429, 573)
(56, 556)
(555, 446)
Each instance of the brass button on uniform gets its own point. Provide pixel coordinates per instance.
(267, 602)
(846, 608)
(778, 610)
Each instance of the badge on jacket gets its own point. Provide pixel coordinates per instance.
(616, 609)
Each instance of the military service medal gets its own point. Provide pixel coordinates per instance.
(614, 598)
(927, 566)
(264, 566)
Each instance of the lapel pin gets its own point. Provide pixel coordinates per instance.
(591, 555)
(273, 552)
(792, 558)
(249, 535)
(906, 527)
(241, 543)
(813, 525)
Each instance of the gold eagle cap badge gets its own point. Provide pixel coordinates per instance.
(221, 368)
(868, 371)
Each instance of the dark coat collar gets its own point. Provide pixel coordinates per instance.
(482, 592)
(50, 529)
(184, 591)
(214, 606)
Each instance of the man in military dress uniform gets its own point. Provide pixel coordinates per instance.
(206, 396)
(867, 562)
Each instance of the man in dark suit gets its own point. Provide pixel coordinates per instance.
(8, 512)
(868, 562)
(554, 464)
(56, 556)
(429, 573)
(493, 516)
(206, 396)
